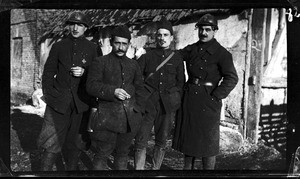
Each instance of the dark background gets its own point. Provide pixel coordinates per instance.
(293, 110)
(293, 39)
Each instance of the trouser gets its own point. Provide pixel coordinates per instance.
(60, 134)
(208, 163)
(84, 134)
(105, 142)
(162, 123)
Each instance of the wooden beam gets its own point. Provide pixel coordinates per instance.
(256, 72)
(279, 82)
(279, 46)
(246, 76)
(268, 46)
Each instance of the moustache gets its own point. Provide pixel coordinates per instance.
(162, 41)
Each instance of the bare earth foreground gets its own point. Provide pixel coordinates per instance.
(237, 155)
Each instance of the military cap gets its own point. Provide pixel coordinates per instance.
(165, 24)
(208, 19)
(121, 31)
(78, 17)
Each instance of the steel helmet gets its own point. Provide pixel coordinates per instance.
(78, 17)
(208, 19)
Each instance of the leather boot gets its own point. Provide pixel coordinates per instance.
(139, 159)
(72, 160)
(209, 163)
(47, 161)
(158, 156)
(120, 163)
(188, 162)
(100, 164)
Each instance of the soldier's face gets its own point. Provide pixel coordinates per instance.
(120, 45)
(77, 30)
(164, 38)
(206, 33)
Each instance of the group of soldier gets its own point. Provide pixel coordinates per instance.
(134, 96)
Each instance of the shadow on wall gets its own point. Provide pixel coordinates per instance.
(25, 130)
(27, 127)
(273, 124)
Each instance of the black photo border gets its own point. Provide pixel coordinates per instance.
(293, 112)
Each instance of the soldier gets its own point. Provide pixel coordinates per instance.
(117, 82)
(64, 92)
(212, 76)
(165, 87)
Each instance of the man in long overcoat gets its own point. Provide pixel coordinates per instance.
(211, 77)
(165, 88)
(63, 84)
(117, 82)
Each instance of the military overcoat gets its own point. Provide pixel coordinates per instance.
(58, 84)
(197, 125)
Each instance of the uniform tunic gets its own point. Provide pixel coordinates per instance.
(197, 126)
(108, 73)
(65, 94)
(59, 86)
(165, 98)
(167, 80)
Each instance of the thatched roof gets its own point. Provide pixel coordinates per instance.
(112, 17)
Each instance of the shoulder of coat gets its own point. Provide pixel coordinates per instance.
(105, 57)
(222, 49)
(102, 59)
(151, 51)
(217, 47)
(148, 54)
(176, 54)
(133, 61)
(90, 43)
(62, 42)
(190, 46)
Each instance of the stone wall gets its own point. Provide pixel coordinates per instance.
(23, 54)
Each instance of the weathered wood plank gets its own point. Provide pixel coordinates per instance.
(258, 28)
(279, 82)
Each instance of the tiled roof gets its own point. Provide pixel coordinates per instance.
(112, 17)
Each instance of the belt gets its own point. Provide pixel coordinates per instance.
(199, 82)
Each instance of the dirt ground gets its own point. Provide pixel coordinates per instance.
(26, 123)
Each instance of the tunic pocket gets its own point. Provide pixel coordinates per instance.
(215, 104)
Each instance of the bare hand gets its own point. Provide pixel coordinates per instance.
(121, 94)
(77, 71)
